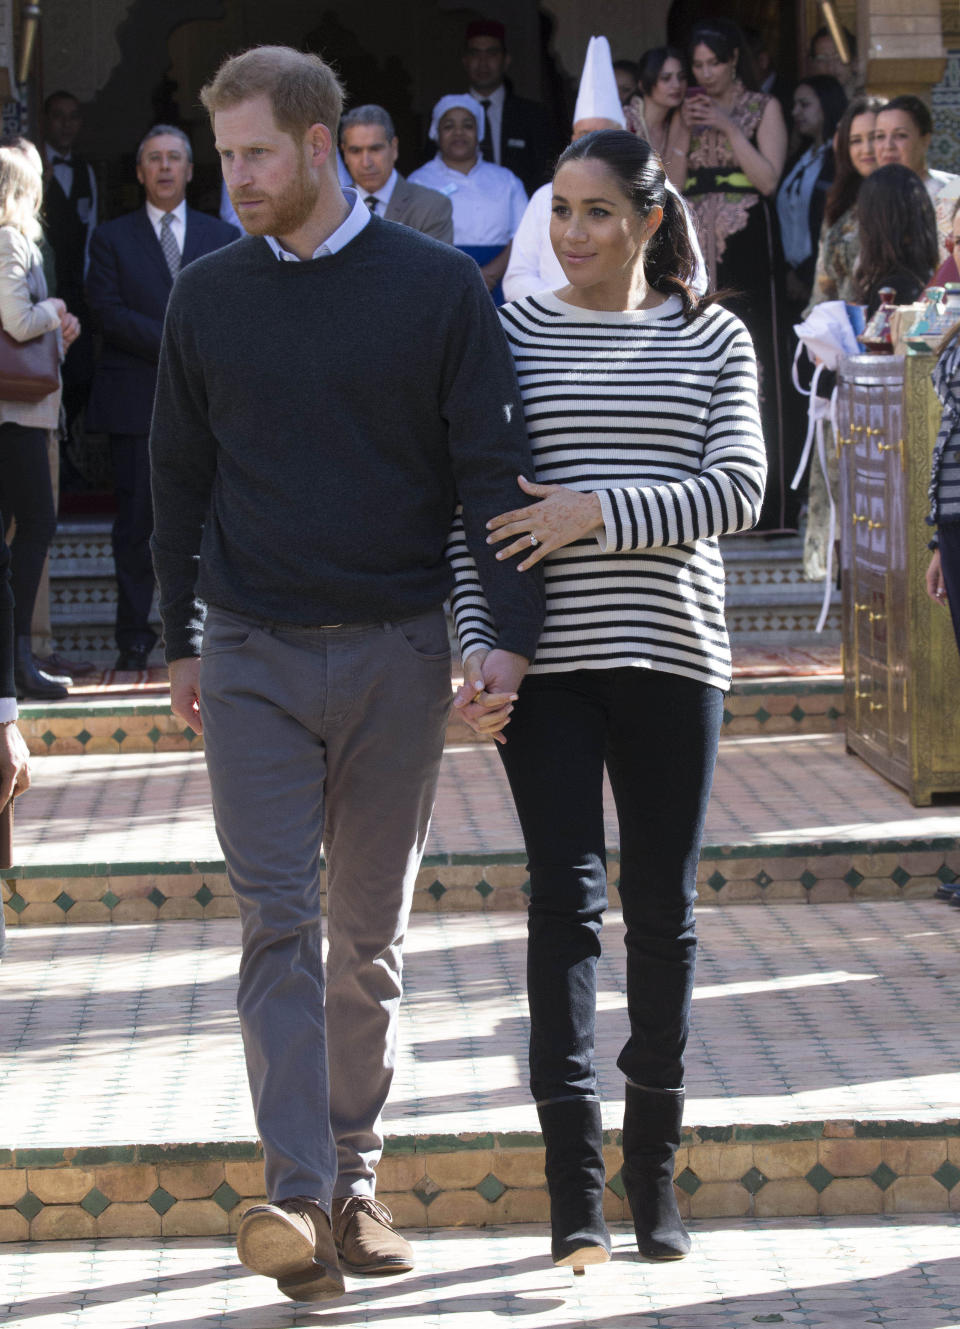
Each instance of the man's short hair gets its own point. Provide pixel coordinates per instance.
(61, 95)
(156, 131)
(825, 32)
(368, 115)
(302, 89)
(918, 111)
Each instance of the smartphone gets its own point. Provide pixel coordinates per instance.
(695, 91)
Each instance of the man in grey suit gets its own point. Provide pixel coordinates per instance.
(368, 145)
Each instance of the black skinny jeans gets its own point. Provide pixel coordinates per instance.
(657, 734)
(26, 493)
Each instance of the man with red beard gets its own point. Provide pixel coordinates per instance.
(330, 388)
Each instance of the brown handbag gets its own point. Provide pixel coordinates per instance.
(29, 370)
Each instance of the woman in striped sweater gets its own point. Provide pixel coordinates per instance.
(641, 404)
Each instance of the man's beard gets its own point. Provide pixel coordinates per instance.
(281, 214)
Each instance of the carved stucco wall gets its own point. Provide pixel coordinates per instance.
(631, 28)
(80, 44)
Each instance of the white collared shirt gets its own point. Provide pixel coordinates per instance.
(488, 201)
(384, 195)
(494, 113)
(356, 220)
(178, 227)
(86, 208)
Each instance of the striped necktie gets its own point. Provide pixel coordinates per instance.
(169, 246)
(371, 201)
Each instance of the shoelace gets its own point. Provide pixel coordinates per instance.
(371, 1206)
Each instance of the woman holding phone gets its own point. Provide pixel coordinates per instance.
(735, 154)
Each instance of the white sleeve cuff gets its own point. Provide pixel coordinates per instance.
(8, 709)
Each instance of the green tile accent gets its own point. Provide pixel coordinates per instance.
(28, 1206)
(48, 738)
(110, 900)
(17, 903)
(900, 876)
(715, 1134)
(833, 713)
(526, 887)
(819, 1178)
(161, 1201)
(426, 1190)
(436, 889)
(491, 1188)
(769, 1319)
(617, 1186)
(853, 878)
(189, 734)
(204, 895)
(763, 879)
(483, 888)
(948, 1174)
(761, 714)
(118, 735)
(946, 875)
(95, 1202)
(883, 1176)
(716, 881)
(798, 714)
(153, 734)
(688, 1181)
(156, 897)
(225, 1196)
(65, 902)
(83, 737)
(808, 880)
(727, 716)
(754, 1180)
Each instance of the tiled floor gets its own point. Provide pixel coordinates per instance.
(129, 1035)
(767, 792)
(814, 1273)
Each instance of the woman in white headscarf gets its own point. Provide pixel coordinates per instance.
(488, 200)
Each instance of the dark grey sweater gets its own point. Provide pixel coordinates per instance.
(314, 427)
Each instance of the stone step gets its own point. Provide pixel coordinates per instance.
(130, 838)
(820, 1075)
(140, 720)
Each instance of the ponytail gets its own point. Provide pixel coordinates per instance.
(670, 263)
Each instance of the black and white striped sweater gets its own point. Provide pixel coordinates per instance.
(660, 418)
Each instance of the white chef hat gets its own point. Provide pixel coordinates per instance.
(463, 100)
(598, 98)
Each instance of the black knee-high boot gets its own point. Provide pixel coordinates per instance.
(651, 1136)
(573, 1135)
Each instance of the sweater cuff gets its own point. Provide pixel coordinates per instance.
(616, 521)
(8, 709)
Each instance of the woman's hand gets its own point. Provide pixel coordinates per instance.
(14, 763)
(562, 516)
(936, 589)
(704, 113)
(481, 701)
(59, 306)
(69, 328)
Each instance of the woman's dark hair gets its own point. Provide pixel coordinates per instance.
(652, 62)
(825, 32)
(918, 111)
(832, 98)
(847, 179)
(629, 67)
(897, 228)
(669, 261)
(725, 40)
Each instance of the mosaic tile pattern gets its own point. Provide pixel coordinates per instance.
(821, 1073)
(829, 1272)
(131, 839)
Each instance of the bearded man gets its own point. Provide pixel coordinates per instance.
(330, 387)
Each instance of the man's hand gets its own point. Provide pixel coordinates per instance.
(486, 696)
(185, 691)
(14, 763)
(936, 589)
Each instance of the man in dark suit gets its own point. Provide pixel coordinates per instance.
(368, 145)
(519, 133)
(133, 263)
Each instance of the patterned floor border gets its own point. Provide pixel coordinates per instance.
(800, 1169)
(804, 873)
(764, 706)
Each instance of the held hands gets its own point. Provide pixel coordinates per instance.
(185, 691)
(69, 329)
(489, 689)
(562, 516)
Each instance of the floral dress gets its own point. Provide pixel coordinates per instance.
(741, 248)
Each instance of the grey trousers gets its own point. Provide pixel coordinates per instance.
(332, 733)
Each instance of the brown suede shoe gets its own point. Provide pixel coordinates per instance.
(366, 1239)
(292, 1242)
